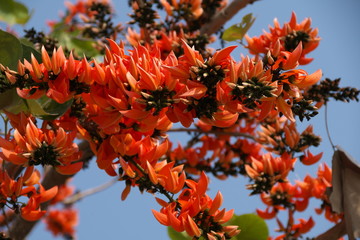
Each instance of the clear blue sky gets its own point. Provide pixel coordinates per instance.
(105, 216)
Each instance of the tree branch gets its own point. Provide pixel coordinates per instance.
(224, 15)
(80, 195)
(20, 228)
(333, 233)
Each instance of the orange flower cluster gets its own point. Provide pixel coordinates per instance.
(316, 187)
(33, 146)
(62, 222)
(290, 35)
(296, 230)
(145, 88)
(218, 154)
(194, 6)
(280, 137)
(284, 48)
(24, 186)
(286, 196)
(196, 213)
(267, 170)
(125, 105)
(80, 8)
(281, 196)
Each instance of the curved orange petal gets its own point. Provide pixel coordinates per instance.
(269, 213)
(46, 195)
(191, 228)
(202, 184)
(70, 169)
(161, 217)
(293, 59)
(310, 80)
(32, 215)
(285, 108)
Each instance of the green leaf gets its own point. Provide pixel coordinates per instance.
(28, 48)
(44, 108)
(252, 227)
(10, 50)
(238, 31)
(47, 109)
(73, 42)
(10, 101)
(174, 235)
(53, 108)
(83, 46)
(35, 107)
(13, 12)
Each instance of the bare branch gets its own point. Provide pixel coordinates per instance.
(220, 18)
(80, 195)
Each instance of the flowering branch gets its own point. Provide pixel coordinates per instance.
(224, 15)
(157, 186)
(20, 227)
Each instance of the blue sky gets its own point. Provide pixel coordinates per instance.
(105, 216)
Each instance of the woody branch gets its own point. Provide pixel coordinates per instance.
(224, 15)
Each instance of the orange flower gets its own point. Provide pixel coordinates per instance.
(290, 35)
(284, 48)
(32, 211)
(283, 196)
(309, 158)
(64, 191)
(267, 170)
(33, 146)
(303, 227)
(193, 6)
(196, 213)
(62, 222)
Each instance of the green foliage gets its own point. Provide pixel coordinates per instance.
(238, 31)
(43, 108)
(174, 235)
(252, 227)
(73, 42)
(28, 49)
(13, 12)
(11, 101)
(10, 50)
(47, 109)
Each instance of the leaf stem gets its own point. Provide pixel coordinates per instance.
(327, 128)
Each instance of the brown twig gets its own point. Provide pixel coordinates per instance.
(20, 228)
(220, 18)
